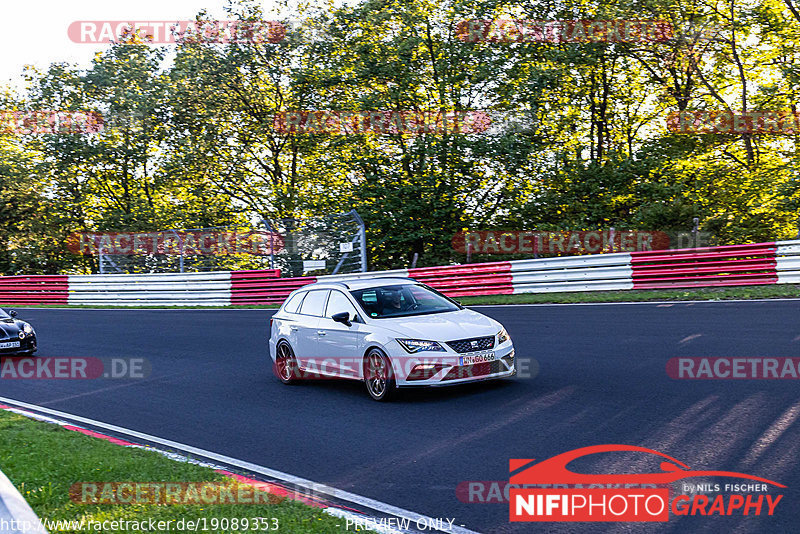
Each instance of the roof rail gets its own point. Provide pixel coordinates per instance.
(360, 279)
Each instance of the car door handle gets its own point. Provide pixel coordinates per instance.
(294, 328)
(322, 332)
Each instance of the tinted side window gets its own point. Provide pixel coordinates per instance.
(314, 303)
(293, 303)
(369, 301)
(339, 303)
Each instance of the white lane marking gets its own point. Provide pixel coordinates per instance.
(278, 475)
(689, 338)
(771, 435)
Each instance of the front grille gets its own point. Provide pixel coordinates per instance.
(472, 344)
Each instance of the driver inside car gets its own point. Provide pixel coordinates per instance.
(393, 302)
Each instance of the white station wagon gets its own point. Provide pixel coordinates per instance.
(387, 332)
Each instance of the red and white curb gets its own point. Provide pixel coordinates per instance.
(401, 522)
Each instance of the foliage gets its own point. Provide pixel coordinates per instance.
(579, 138)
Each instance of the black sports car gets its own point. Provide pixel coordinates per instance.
(16, 337)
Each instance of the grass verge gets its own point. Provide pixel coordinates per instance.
(44, 460)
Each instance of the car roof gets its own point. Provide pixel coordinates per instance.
(360, 283)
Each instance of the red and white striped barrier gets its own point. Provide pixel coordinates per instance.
(263, 287)
(35, 289)
(735, 265)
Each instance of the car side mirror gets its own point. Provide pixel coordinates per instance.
(12, 313)
(342, 317)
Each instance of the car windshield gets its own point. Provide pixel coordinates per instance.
(4, 315)
(402, 300)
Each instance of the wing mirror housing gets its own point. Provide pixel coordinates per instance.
(342, 317)
(12, 313)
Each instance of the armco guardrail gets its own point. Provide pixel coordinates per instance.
(16, 517)
(760, 263)
(602, 272)
(170, 289)
(788, 262)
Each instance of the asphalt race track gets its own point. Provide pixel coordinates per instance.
(601, 379)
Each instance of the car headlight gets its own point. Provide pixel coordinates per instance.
(28, 329)
(420, 345)
(502, 336)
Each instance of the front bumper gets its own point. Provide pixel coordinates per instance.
(26, 346)
(451, 372)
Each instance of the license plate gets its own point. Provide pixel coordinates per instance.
(478, 357)
(10, 345)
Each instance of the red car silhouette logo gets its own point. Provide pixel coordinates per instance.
(554, 470)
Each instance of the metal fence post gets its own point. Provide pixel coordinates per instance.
(271, 231)
(180, 258)
(611, 235)
(362, 237)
